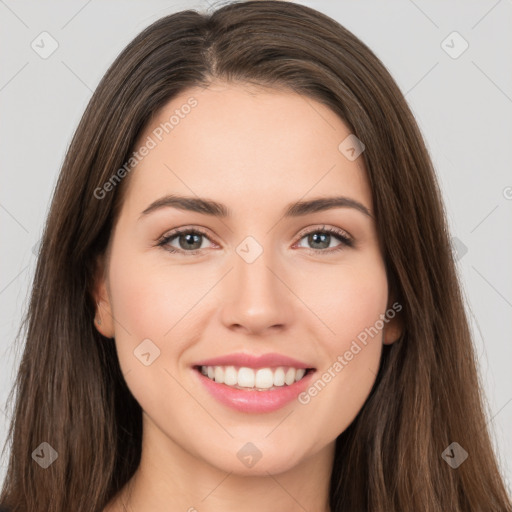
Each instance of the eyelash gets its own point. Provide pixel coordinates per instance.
(337, 233)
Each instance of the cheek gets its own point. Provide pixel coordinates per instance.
(149, 295)
(141, 304)
(352, 305)
(146, 306)
(348, 299)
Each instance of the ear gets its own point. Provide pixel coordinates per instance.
(394, 327)
(103, 318)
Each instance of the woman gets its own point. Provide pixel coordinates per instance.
(245, 296)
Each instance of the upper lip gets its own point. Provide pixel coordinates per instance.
(252, 361)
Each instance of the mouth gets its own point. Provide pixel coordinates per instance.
(254, 379)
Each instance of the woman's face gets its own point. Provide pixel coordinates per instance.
(261, 279)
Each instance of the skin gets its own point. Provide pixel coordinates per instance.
(255, 151)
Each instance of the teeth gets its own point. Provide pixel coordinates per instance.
(230, 376)
(262, 378)
(279, 377)
(219, 374)
(289, 378)
(245, 378)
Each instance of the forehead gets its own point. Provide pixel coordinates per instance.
(241, 144)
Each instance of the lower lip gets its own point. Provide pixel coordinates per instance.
(252, 400)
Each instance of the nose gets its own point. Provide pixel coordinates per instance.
(256, 298)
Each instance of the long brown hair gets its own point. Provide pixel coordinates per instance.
(70, 391)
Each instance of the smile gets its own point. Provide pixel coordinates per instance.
(261, 379)
(254, 399)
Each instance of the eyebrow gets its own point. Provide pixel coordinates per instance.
(213, 208)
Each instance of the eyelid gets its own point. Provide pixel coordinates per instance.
(324, 227)
(173, 233)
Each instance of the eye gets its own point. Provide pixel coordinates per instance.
(189, 240)
(321, 238)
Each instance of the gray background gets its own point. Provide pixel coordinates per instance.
(463, 106)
